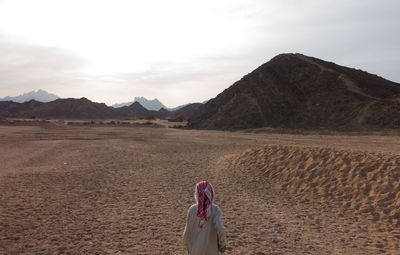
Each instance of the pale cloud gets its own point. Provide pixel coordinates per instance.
(183, 51)
(26, 67)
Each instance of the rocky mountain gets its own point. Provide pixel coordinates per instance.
(186, 112)
(163, 114)
(152, 105)
(69, 108)
(138, 111)
(178, 107)
(75, 108)
(39, 95)
(83, 108)
(156, 105)
(135, 110)
(119, 105)
(297, 91)
(13, 109)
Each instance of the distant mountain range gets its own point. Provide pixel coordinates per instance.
(301, 92)
(72, 108)
(152, 105)
(290, 91)
(39, 95)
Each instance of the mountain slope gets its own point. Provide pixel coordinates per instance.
(61, 108)
(187, 111)
(151, 105)
(83, 108)
(74, 108)
(119, 105)
(296, 91)
(13, 109)
(135, 110)
(39, 95)
(178, 107)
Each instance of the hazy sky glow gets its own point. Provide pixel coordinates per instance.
(182, 51)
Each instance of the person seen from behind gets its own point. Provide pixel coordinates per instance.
(204, 232)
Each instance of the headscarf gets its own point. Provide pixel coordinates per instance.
(204, 194)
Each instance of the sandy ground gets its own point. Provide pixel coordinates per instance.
(116, 190)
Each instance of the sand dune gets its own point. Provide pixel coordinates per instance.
(366, 183)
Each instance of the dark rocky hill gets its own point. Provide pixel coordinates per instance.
(13, 109)
(186, 112)
(162, 113)
(296, 91)
(61, 108)
(135, 110)
(74, 108)
(151, 105)
(83, 108)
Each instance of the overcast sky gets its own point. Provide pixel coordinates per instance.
(182, 51)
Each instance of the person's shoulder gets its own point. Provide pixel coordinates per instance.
(193, 208)
(216, 208)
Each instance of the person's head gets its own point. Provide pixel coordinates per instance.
(204, 195)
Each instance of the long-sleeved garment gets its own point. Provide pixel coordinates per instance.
(204, 241)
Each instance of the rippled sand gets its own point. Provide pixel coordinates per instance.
(125, 190)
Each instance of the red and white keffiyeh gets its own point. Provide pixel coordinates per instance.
(204, 195)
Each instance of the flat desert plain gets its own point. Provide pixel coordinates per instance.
(126, 190)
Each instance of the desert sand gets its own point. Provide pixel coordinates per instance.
(126, 190)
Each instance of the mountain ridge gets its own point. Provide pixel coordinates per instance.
(301, 92)
(83, 108)
(149, 104)
(38, 95)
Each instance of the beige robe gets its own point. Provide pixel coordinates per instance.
(204, 241)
